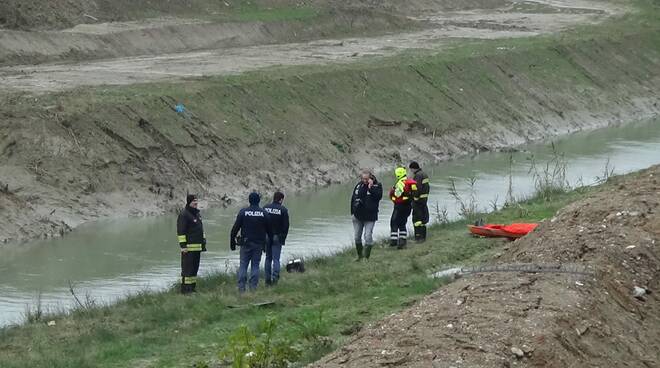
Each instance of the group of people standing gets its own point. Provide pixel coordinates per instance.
(407, 194)
(260, 230)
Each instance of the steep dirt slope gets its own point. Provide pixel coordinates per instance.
(77, 155)
(58, 14)
(159, 36)
(549, 320)
(121, 29)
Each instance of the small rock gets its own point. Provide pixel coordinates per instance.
(51, 323)
(527, 349)
(639, 292)
(582, 329)
(630, 247)
(578, 283)
(517, 352)
(450, 326)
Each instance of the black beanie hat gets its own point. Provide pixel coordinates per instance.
(254, 198)
(190, 198)
(414, 165)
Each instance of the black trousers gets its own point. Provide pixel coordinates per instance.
(420, 217)
(398, 222)
(189, 268)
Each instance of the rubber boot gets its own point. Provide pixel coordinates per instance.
(358, 247)
(402, 243)
(394, 240)
(367, 251)
(418, 234)
(268, 283)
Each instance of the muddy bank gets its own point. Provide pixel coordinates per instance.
(60, 14)
(75, 156)
(543, 319)
(173, 49)
(174, 35)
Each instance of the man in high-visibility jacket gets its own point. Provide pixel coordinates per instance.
(192, 241)
(420, 208)
(401, 195)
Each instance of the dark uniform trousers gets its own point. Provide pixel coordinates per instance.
(189, 269)
(398, 221)
(420, 217)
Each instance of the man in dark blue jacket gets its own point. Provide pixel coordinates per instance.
(256, 231)
(364, 208)
(279, 219)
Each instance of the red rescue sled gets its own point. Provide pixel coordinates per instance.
(512, 231)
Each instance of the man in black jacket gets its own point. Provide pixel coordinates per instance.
(420, 208)
(364, 208)
(255, 228)
(278, 216)
(192, 241)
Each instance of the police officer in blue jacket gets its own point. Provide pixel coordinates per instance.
(255, 228)
(279, 220)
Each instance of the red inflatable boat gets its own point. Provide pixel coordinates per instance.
(512, 231)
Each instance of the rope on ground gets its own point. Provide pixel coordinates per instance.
(569, 268)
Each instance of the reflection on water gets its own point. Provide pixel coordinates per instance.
(110, 259)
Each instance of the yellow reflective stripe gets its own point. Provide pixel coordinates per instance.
(194, 247)
(423, 196)
(416, 198)
(426, 181)
(393, 198)
(182, 238)
(399, 187)
(405, 198)
(190, 280)
(414, 187)
(418, 223)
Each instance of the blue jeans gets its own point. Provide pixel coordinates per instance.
(272, 266)
(250, 255)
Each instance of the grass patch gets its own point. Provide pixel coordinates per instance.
(317, 310)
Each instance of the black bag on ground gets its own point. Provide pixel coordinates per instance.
(296, 265)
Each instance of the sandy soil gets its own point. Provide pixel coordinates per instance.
(513, 20)
(542, 319)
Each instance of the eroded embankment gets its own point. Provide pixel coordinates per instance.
(543, 319)
(156, 37)
(73, 156)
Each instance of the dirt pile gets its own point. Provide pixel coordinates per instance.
(543, 319)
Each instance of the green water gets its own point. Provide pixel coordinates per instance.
(110, 259)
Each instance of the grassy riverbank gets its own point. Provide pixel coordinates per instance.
(318, 310)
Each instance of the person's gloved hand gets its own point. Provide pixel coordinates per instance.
(232, 246)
